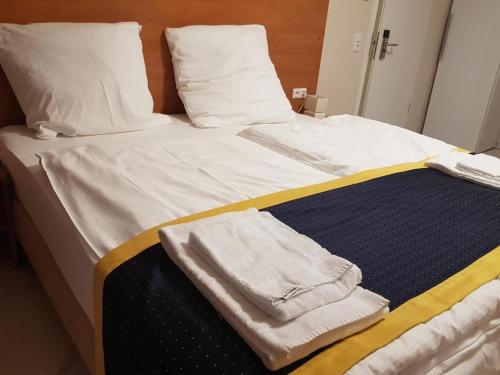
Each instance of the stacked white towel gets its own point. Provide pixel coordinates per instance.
(482, 165)
(284, 294)
(283, 272)
(480, 168)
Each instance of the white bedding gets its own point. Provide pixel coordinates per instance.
(225, 76)
(143, 186)
(345, 144)
(463, 340)
(76, 258)
(79, 78)
(75, 251)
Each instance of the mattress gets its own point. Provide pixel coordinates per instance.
(70, 249)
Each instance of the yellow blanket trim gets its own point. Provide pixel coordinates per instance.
(343, 355)
(150, 237)
(391, 327)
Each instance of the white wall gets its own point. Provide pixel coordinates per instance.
(341, 69)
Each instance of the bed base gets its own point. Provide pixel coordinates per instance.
(74, 319)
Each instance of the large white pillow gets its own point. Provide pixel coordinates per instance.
(225, 77)
(79, 78)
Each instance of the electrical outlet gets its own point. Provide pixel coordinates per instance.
(299, 93)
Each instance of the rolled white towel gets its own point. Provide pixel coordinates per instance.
(283, 272)
(277, 343)
(483, 165)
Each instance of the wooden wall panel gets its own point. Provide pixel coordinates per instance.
(295, 31)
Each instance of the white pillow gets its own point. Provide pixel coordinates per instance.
(225, 77)
(79, 78)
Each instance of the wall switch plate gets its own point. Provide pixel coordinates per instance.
(299, 93)
(356, 42)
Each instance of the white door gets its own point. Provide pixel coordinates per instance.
(398, 84)
(464, 107)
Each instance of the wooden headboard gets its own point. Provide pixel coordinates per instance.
(295, 31)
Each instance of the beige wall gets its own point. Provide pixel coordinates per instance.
(341, 68)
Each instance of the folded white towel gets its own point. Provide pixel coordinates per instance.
(283, 272)
(447, 163)
(277, 343)
(483, 165)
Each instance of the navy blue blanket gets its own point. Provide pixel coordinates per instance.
(407, 232)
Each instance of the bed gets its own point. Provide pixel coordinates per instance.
(66, 269)
(64, 246)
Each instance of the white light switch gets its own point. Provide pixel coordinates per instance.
(356, 42)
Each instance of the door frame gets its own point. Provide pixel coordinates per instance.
(369, 54)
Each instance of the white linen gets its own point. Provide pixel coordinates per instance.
(284, 273)
(141, 187)
(76, 258)
(462, 340)
(448, 162)
(225, 76)
(276, 343)
(79, 78)
(73, 254)
(485, 166)
(343, 145)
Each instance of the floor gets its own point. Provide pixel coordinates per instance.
(29, 325)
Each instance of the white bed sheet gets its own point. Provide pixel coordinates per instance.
(75, 255)
(142, 186)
